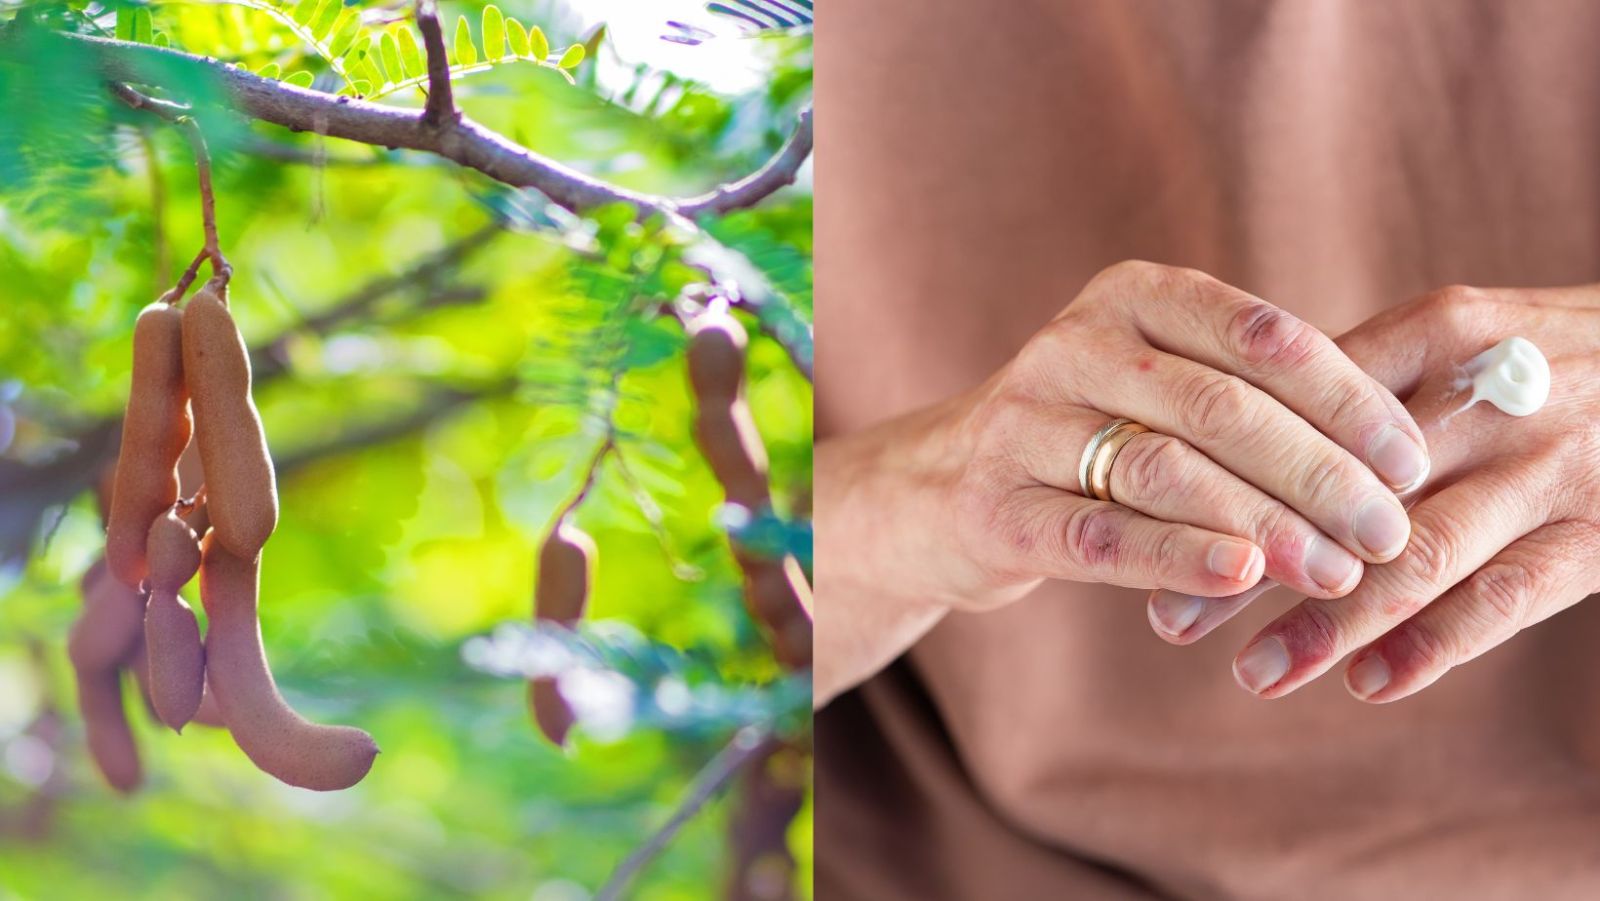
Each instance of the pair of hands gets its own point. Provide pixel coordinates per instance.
(1279, 455)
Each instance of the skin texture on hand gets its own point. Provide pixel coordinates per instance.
(1271, 453)
(1505, 532)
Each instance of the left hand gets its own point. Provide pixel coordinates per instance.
(1506, 530)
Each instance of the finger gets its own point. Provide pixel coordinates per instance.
(1454, 532)
(1186, 618)
(1255, 437)
(1531, 580)
(1229, 330)
(1165, 478)
(1064, 536)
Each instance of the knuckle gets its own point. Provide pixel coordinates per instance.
(1324, 477)
(1093, 537)
(1215, 406)
(1418, 647)
(1264, 335)
(1431, 556)
(1153, 469)
(1456, 306)
(1350, 401)
(1314, 633)
(1504, 592)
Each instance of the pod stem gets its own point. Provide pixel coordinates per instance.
(178, 115)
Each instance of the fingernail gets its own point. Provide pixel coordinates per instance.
(1367, 677)
(1173, 613)
(1233, 559)
(1398, 459)
(1382, 527)
(1261, 665)
(1330, 565)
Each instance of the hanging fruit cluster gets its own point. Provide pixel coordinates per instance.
(191, 379)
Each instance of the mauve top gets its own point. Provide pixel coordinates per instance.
(977, 163)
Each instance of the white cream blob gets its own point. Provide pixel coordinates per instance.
(1513, 375)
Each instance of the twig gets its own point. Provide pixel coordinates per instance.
(748, 744)
(778, 172)
(186, 279)
(178, 116)
(440, 109)
(466, 143)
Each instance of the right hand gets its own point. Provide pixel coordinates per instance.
(1270, 452)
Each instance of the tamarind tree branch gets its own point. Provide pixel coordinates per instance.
(748, 744)
(778, 172)
(440, 109)
(466, 142)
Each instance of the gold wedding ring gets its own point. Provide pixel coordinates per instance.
(1094, 469)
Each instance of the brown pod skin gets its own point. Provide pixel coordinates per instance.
(171, 632)
(566, 570)
(208, 714)
(177, 658)
(776, 591)
(241, 489)
(778, 596)
(104, 639)
(139, 664)
(106, 724)
(275, 738)
(724, 430)
(155, 430)
(112, 621)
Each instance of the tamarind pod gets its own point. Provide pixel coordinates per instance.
(105, 723)
(111, 622)
(716, 357)
(728, 440)
(177, 658)
(561, 592)
(138, 663)
(241, 489)
(724, 429)
(173, 552)
(208, 714)
(191, 473)
(155, 430)
(779, 598)
(275, 738)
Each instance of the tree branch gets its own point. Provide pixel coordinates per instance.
(748, 744)
(466, 143)
(778, 172)
(440, 110)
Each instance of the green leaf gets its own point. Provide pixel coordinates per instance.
(300, 79)
(368, 70)
(410, 54)
(303, 11)
(518, 36)
(141, 26)
(571, 58)
(327, 14)
(362, 86)
(389, 49)
(271, 70)
(124, 24)
(539, 47)
(162, 39)
(344, 35)
(494, 33)
(466, 53)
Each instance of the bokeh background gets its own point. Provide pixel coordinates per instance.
(438, 359)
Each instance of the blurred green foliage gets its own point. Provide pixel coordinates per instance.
(489, 384)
